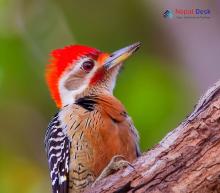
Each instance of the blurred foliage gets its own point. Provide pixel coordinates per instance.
(153, 95)
(19, 175)
(151, 86)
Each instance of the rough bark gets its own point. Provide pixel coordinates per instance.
(186, 160)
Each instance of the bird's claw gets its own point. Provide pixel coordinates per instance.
(117, 162)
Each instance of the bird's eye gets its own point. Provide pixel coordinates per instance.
(88, 65)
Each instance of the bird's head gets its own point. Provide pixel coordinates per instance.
(76, 70)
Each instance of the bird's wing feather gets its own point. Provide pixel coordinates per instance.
(57, 147)
(117, 112)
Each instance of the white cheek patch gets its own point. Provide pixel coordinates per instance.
(68, 96)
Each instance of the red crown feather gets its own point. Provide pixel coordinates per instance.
(61, 60)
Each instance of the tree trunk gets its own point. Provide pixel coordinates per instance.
(186, 160)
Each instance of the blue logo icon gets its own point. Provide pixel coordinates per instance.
(168, 14)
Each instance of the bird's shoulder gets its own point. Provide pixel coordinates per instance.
(113, 107)
(100, 104)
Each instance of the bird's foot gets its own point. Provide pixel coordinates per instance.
(117, 162)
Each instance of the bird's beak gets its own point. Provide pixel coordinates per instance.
(119, 56)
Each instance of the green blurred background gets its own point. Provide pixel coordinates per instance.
(158, 86)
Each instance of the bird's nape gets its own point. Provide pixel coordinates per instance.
(60, 61)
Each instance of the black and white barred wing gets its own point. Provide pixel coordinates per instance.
(57, 148)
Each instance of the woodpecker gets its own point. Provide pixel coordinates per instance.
(92, 129)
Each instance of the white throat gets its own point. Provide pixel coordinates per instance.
(69, 96)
